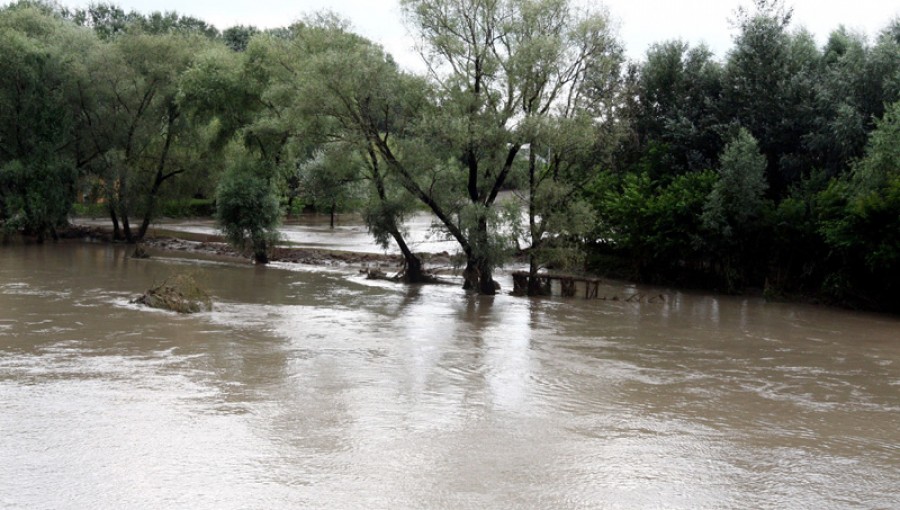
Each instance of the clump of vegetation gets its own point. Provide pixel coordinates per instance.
(247, 208)
(180, 293)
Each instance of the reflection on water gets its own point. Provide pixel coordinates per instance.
(307, 389)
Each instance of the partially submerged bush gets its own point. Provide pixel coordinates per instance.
(247, 207)
(179, 293)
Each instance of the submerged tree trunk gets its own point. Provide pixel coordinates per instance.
(117, 231)
(413, 272)
(534, 288)
(479, 269)
(126, 229)
(161, 176)
(478, 277)
(261, 257)
(260, 251)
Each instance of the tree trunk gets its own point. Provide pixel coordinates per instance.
(413, 271)
(483, 273)
(260, 251)
(534, 288)
(117, 231)
(333, 207)
(487, 285)
(261, 257)
(161, 176)
(126, 228)
(478, 277)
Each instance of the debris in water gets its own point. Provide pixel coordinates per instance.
(179, 293)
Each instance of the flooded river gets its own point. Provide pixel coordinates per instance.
(318, 389)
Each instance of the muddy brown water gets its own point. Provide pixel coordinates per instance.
(307, 388)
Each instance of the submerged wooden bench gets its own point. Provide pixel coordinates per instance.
(585, 287)
(558, 285)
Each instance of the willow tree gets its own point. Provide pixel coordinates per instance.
(568, 66)
(131, 116)
(39, 143)
(342, 95)
(502, 72)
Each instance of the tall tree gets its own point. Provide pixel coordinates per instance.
(756, 78)
(137, 125)
(677, 111)
(478, 53)
(568, 67)
(735, 206)
(39, 144)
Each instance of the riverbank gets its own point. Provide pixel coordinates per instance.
(204, 244)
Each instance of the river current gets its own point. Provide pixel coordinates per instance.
(314, 388)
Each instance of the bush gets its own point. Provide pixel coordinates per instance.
(247, 208)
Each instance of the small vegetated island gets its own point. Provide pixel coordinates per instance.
(776, 167)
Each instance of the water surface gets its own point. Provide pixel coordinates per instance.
(319, 389)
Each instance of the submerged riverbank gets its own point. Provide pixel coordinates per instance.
(309, 240)
(205, 241)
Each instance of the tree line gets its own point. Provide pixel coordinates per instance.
(530, 133)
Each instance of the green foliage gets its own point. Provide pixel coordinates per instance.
(330, 179)
(247, 208)
(859, 217)
(882, 157)
(108, 21)
(565, 221)
(37, 171)
(657, 227)
(238, 37)
(738, 197)
(676, 113)
(38, 195)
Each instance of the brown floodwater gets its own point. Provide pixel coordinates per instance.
(307, 388)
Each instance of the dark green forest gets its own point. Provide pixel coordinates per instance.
(774, 169)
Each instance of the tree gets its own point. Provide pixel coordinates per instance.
(247, 207)
(39, 145)
(329, 180)
(132, 116)
(340, 92)
(105, 19)
(238, 37)
(677, 111)
(478, 54)
(567, 67)
(776, 87)
(655, 227)
(736, 204)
